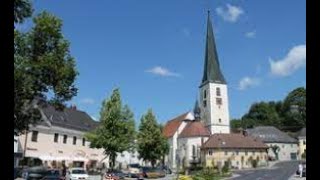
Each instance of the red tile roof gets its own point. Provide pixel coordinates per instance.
(194, 129)
(172, 126)
(233, 141)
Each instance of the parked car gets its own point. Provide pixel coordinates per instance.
(77, 174)
(166, 169)
(114, 175)
(149, 172)
(53, 174)
(34, 173)
(134, 171)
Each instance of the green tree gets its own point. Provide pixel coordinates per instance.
(42, 66)
(294, 109)
(235, 124)
(115, 133)
(152, 145)
(22, 10)
(261, 113)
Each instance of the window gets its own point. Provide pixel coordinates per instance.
(218, 93)
(74, 140)
(219, 101)
(204, 103)
(219, 120)
(210, 152)
(56, 137)
(226, 153)
(83, 141)
(204, 94)
(34, 136)
(65, 137)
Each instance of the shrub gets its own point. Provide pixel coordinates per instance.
(225, 168)
(254, 163)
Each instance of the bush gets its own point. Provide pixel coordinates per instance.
(225, 168)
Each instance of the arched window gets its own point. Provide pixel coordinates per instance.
(218, 92)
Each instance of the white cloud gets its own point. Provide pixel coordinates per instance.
(230, 13)
(295, 59)
(247, 82)
(161, 71)
(88, 101)
(251, 34)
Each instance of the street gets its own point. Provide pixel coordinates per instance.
(280, 171)
(168, 177)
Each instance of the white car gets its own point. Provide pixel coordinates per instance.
(77, 174)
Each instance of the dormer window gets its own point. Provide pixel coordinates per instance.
(218, 92)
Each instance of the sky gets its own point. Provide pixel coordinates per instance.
(154, 51)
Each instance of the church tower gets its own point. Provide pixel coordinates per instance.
(213, 100)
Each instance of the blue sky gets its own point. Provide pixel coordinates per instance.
(154, 50)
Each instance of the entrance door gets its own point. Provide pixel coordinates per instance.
(78, 164)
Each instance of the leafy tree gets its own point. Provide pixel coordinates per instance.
(261, 114)
(152, 145)
(235, 123)
(115, 133)
(42, 65)
(294, 109)
(22, 10)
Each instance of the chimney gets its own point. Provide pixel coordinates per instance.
(244, 132)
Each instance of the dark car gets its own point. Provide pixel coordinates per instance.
(114, 175)
(53, 174)
(166, 169)
(34, 173)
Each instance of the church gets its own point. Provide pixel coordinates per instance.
(187, 132)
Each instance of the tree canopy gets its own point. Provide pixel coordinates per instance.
(116, 132)
(43, 66)
(289, 114)
(152, 145)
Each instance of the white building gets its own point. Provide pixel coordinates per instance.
(187, 132)
(213, 92)
(273, 137)
(59, 138)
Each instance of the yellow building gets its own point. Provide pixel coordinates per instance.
(239, 150)
(302, 143)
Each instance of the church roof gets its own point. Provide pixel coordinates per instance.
(212, 72)
(220, 140)
(172, 126)
(194, 129)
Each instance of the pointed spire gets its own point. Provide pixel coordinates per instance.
(212, 72)
(196, 110)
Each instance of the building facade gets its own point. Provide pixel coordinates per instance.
(282, 147)
(302, 140)
(236, 149)
(60, 139)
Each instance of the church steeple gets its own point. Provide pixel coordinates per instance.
(212, 72)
